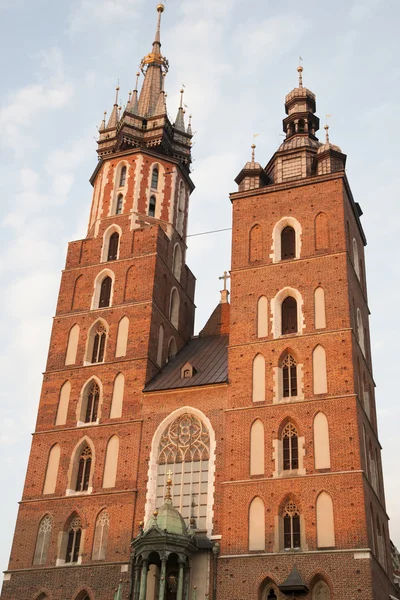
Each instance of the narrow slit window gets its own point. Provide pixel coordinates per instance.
(152, 206)
(92, 405)
(105, 292)
(84, 467)
(122, 179)
(74, 541)
(290, 448)
(288, 243)
(120, 202)
(154, 179)
(113, 246)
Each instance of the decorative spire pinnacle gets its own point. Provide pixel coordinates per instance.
(160, 10)
(103, 123)
(300, 72)
(180, 117)
(182, 92)
(253, 153)
(114, 117)
(169, 485)
(326, 133)
(189, 129)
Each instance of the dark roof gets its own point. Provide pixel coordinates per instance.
(209, 357)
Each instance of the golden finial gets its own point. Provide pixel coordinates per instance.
(253, 153)
(169, 485)
(137, 81)
(182, 92)
(155, 513)
(129, 96)
(160, 8)
(116, 96)
(300, 72)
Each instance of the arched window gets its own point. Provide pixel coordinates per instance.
(105, 292)
(259, 378)
(174, 308)
(53, 462)
(43, 540)
(72, 347)
(257, 525)
(90, 403)
(111, 462)
(262, 317)
(84, 467)
(272, 595)
(101, 536)
(257, 449)
(119, 204)
(289, 377)
(83, 596)
(152, 206)
(290, 448)
(172, 349)
(256, 244)
(322, 454)
(288, 243)
(301, 126)
(99, 344)
(321, 591)
(360, 331)
(74, 540)
(325, 522)
(356, 262)
(154, 179)
(113, 245)
(320, 382)
(289, 315)
(291, 527)
(122, 179)
(184, 449)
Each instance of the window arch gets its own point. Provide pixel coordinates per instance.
(320, 383)
(172, 349)
(291, 239)
(111, 462)
(97, 342)
(103, 287)
(105, 292)
(322, 453)
(53, 462)
(321, 591)
(90, 403)
(101, 536)
(291, 527)
(122, 177)
(117, 397)
(154, 178)
(289, 316)
(257, 525)
(177, 262)
(288, 243)
(43, 540)
(356, 262)
(289, 377)
(72, 346)
(262, 317)
(84, 470)
(119, 204)
(257, 448)
(259, 378)
(152, 206)
(290, 448)
(325, 522)
(113, 246)
(174, 308)
(321, 231)
(360, 331)
(256, 243)
(63, 402)
(74, 540)
(184, 448)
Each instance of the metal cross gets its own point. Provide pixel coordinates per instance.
(225, 278)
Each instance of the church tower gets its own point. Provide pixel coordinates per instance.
(242, 463)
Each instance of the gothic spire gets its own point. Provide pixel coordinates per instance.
(114, 117)
(153, 66)
(180, 117)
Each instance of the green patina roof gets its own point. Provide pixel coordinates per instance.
(168, 519)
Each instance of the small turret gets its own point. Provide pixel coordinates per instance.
(330, 158)
(252, 175)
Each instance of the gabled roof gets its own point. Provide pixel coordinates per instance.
(209, 357)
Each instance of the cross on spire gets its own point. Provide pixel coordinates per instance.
(224, 292)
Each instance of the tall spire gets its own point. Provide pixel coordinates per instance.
(180, 119)
(114, 117)
(153, 66)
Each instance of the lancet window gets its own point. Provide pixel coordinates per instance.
(92, 403)
(105, 292)
(84, 467)
(99, 343)
(122, 179)
(74, 540)
(290, 448)
(118, 206)
(184, 450)
(43, 540)
(291, 526)
(154, 179)
(289, 372)
(152, 206)
(289, 315)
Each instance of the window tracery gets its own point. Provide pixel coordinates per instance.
(291, 526)
(74, 540)
(43, 540)
(289, 371)
(99, 343)
(92, 403)
(100, 536)
(290, 448)
(84, 468)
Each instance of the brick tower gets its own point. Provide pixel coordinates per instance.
(241, 463)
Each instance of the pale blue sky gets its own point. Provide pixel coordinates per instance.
(60, 62)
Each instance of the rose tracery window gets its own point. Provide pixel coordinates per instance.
(185, 450)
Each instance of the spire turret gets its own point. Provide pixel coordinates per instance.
(300, 106)
(330, 158)
(153, 66)
(180, 117)
(114, 117)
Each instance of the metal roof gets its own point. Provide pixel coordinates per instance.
(207, 355)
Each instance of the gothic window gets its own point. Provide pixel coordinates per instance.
(84, 467)
(355, 258)
(184, 450)
(63, 402)
(122, 179)
(101, 536)
(289, 373)
(152, 206)
(272, 595)
(122, 337)
(99, 343)
(288, 243)
(113, 246)
(291, 527)
(172, 349)
(92, 403)
(289, 315)
(119, 204)
(360, 331)
(154, 179)
(290, 448)
(43, 541)
(105, 292)
(321, 591)
(74, 540)
(177, 262)
(174, 308)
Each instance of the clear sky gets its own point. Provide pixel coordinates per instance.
(59, 64)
